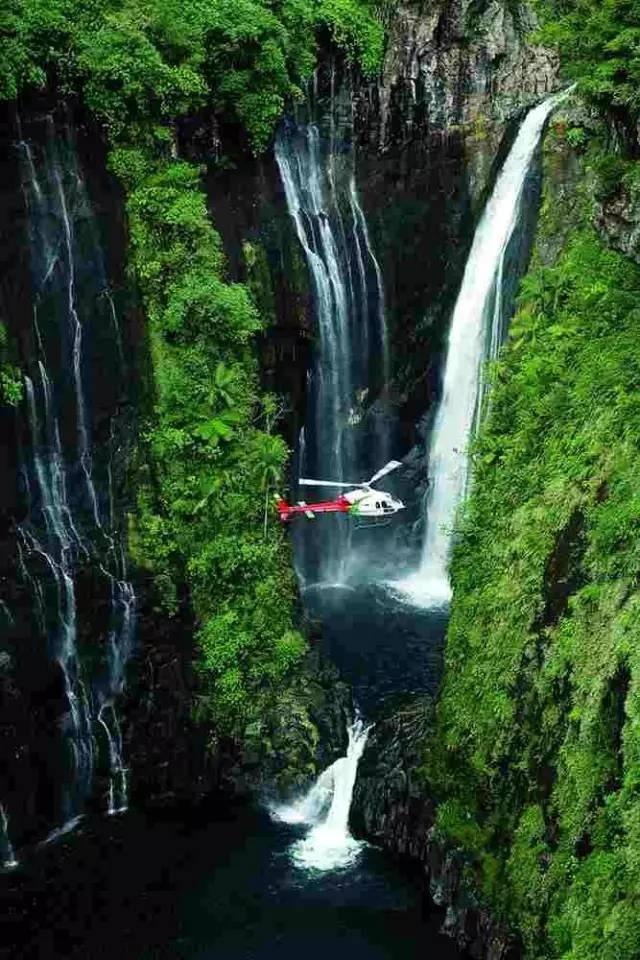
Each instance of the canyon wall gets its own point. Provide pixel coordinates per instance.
(514, 793)
(428, 135)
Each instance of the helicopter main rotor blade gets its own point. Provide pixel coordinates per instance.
(304, 482)
(389, 468)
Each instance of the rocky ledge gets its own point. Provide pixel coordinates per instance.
(390, 809)
(463, 65)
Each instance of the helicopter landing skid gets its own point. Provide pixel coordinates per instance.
(362, 524)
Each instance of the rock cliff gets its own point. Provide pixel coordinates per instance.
(392, 808)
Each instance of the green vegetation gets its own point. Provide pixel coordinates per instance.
(599, 41)
(10, 379)
(536, 752)
(140, 63)
(209, 457)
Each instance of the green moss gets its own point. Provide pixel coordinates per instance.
(142, 63)
(10, 377)
(259, 281)
(536, 754)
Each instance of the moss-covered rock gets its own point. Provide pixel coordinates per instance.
(534, 756)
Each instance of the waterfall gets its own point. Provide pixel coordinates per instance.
(328, 844)
(476, 333)
(8, 856)
(351, 359)
(71, 524)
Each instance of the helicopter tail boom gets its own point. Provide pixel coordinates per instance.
(288, 511)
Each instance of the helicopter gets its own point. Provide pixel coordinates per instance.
(361, 500)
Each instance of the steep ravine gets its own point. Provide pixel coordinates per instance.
(429, 137)
(513, 794)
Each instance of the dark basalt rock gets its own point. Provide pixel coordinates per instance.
(392, 808)
(171, 757)
(618, 222)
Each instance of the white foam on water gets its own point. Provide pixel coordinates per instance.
(420, 592)
(328, 845)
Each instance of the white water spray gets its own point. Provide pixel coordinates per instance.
(475, 336)
(329, 845)
(9, 861)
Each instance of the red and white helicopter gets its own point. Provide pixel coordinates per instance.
(360, 501)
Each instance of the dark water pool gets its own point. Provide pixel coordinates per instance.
(211, 885)
(383, 645)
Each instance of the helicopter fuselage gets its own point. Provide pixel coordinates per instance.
(363, 502)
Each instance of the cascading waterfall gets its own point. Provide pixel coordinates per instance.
(477, 330)
(329, 845)
(352, 352)
(71, 520)
(8, 856)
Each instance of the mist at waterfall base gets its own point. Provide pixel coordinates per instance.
(215, 883)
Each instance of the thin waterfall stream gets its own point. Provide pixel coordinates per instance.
(476, 333)
(8, 861)
(71, 522)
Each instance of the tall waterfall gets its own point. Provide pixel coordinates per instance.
(70, 530)
(351, 362)
(8, 861)
(477, 329)
(329, 845)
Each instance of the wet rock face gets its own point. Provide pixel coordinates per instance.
(169, 754)
(618, 221)
(303, 733)
(431, 134)
(457, 62)
(391, 808)
(388, 805)
(53, 173)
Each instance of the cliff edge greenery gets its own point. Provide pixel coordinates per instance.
(535, 757)
(209, 455)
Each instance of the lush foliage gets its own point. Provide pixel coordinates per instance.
(536, 756)
(599, 41)
(145, 62)
(10, 379)
(210, 457)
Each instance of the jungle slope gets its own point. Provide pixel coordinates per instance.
(534, 761)
(209, 453)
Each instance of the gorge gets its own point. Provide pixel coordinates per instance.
(245, 243)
